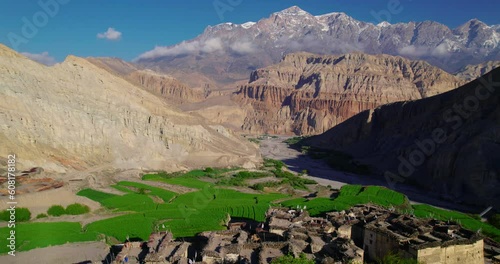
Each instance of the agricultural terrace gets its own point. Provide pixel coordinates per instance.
(144, 208)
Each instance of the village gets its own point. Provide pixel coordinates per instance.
(362, 234)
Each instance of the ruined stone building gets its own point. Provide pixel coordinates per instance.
(285, 232)
(160, 248)
(364, 232)
(380, 231)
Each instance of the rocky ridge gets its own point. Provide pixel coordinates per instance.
(308, 94)
(447, 144)
(173, 90)
(228, 52)
(75, 115)
(472, 72)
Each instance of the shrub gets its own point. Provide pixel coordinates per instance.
(262, 185)
(41, 216)
(22, 215)
(208, 170)
(77, 209)
(4, 215)
(277, 164)
(56, 210)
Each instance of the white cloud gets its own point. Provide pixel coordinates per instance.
(212, 45)
(413, 50)
(43, 58)
(441, 50)
(243, 47)
(208, 46)
(111, 34)
(418, 51)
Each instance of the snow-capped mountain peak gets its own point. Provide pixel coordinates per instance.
(383, 24)
(294, 29)
(294, 11)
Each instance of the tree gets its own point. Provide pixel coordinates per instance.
(56, 210)
(77, 209)
(23, 214)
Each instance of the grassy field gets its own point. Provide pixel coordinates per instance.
(349, 196)
(186, 181)
(185, 215)
(191, 178)
(467, 221)
(140, 188)
(34, 235)
(207, 208)
(95, 195)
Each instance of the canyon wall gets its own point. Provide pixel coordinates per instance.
(447, 144)
(308, 94)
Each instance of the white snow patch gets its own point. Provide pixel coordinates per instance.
(493, 41)
(329, 14)
(247, 25)
(383, 24)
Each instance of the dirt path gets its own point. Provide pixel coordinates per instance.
(319, 171)
(68, 253)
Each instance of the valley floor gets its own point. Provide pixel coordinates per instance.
(275, 148)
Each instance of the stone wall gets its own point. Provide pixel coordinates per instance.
(455, 254)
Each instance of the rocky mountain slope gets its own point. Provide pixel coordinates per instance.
(75, 115)
(308, 94)
(163, 85)
(228, 52)
(447, 144)
(471, 72)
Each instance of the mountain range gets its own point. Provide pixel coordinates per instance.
(227, 53)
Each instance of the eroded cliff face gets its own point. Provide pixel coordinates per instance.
(308, 94)
(165, 86)
(447, 144)
(75, 115)
(471, 72)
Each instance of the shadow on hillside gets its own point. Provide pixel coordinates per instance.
(320, 169)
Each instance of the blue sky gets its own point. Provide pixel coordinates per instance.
(74, 28)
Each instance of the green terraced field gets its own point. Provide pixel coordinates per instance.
(34, 235)
(427, 211)
(350, 195)
(149, 190)
(95, 195)
(187, 181)
(185, 215)
(206, 209)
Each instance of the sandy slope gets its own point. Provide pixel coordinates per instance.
(63, 254)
